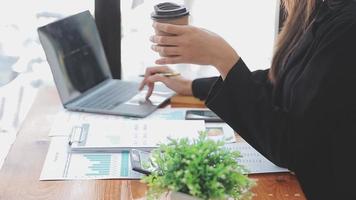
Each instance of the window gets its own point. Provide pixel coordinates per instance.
(23, 67)
(18, 29)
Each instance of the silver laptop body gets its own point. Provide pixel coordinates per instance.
(82, 75)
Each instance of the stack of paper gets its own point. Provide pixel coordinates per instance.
(65, 162)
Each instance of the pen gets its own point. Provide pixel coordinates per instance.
(166, 74)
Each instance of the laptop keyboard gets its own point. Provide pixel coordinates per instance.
(110, 97)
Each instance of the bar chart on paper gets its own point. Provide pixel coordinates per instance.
(92, 165)
(98, 165)
(62, 165)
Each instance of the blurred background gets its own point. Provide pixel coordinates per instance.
(249, 26)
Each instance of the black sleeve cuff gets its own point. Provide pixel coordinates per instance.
(202, 86)
(238, 79)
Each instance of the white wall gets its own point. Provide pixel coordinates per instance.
(249, 26)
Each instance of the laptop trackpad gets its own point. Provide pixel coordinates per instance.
(156, 99)
(140, 107)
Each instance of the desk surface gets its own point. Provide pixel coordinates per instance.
(19, 177)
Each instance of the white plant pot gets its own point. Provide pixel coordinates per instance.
(181, 196)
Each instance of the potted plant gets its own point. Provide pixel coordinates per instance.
(199, 169)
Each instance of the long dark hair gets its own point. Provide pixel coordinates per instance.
(298, 17)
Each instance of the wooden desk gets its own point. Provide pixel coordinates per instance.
(19, 177)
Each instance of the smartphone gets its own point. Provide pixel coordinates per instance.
(141, 161)
(206, 115)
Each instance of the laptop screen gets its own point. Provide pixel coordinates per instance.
(75, 54)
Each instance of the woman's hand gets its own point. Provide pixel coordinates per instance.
(193, 45)
(178, 84)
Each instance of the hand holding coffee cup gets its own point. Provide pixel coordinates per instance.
(170, 13)
(182, 43)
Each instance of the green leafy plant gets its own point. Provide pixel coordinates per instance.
(201, 168)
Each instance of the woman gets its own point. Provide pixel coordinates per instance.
(301, 113)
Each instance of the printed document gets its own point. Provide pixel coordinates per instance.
(65, 121)
(127, 134)
(60, 164)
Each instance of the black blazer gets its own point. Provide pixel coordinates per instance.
(307, 120)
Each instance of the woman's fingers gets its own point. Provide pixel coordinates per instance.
(157, 78)
(169, 28)
(166, 50)
(153, 70)
(170, 60)
(150, 90)
(150, 83)
(157, 69)
(165, 40)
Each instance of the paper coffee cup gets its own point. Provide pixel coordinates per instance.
(170, 13)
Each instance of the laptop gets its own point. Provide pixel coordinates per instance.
(82, 75)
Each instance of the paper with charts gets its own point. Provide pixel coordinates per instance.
(254, 162)
(63, 163)
(60, 164)
(127, 134)
(65, 121)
